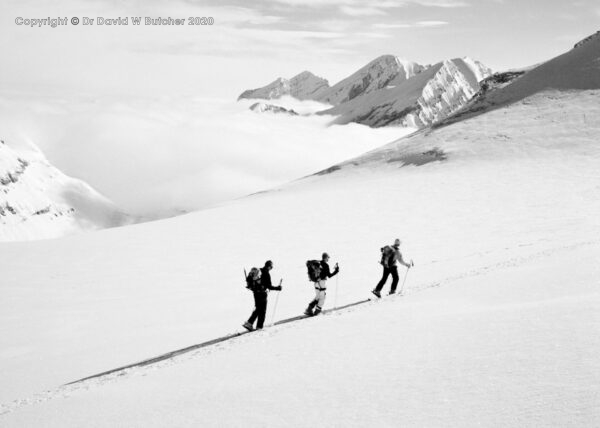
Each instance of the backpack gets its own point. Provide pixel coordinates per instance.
(253, 278)
(314, 270)
(387, 256)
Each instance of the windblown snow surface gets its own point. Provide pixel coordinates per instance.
(498, 327)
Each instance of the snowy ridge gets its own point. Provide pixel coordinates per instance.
(379, 73)
(425, 98)
(577, 69)
(480, 70)
(302, 86)
(587, 39)
(38, 201)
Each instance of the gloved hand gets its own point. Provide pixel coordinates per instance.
(278, 288)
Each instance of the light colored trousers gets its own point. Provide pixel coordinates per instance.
(320, 292)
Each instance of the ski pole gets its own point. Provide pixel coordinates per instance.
(405, 275)
(275, 307)
(337, 286)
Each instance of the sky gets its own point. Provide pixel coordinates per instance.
(252, 43)
(147, 114)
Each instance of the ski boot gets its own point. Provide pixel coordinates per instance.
(377, 293)
(248, 326)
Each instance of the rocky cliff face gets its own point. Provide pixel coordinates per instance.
(38, 201)
(455, 83)
(304, 86)
(418, 101)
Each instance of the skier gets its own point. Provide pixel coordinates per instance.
(259, 290)
(321, 287)
(390, 266)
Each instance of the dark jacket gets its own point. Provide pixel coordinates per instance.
(265, 281)
(325, 271)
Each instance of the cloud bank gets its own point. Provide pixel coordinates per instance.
(159, 157)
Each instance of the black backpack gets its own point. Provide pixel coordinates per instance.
(252, 278)
(387, 256)
(314, 270)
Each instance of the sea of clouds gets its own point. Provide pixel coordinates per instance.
(159, 157)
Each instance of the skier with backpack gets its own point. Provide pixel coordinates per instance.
(390, 258)
(259, 282)
(318, 273)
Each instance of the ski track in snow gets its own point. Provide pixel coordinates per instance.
(67, 390)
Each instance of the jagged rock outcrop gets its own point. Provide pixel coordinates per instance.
(38, 201)
(270, 108)
(304, 86)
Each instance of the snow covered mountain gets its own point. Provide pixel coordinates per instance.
(304, 86)
(38, 201)
(421, 100)
(390, 91)
(385, 71)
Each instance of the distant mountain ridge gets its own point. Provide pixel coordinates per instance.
(304, 86)
(387, 91)
(38, 201)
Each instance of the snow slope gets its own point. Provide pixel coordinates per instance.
(304, 86)
(577, 69)
(428, 97)
(483, 352)
(498, 327)
(38, 201)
